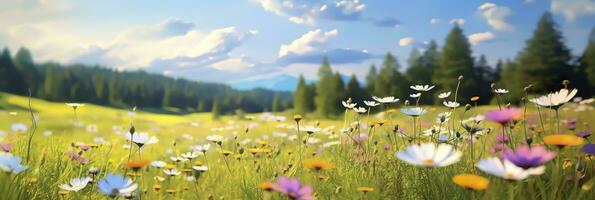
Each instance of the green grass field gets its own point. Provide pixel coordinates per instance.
(263, 147)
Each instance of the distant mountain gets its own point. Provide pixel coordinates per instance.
(281, 82)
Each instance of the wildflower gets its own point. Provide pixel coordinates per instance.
(360, 109)
(136, 165)
(589, 149)
(563, 140)
(500, 91)
(471, 182)
(348, 104)
(415, 95)
(444, 95)
(76, 184)
(503, 116)
(297, 117)
(226, 152)
(158, 164)
(389, 99)
(585, 134)
(293, 189)
(200, 168)
(365, 189)
(215, 138)
(371, 103)
(474, 98)
(318, 165)
(528, 157)
(421, 88)
(191, 155)
(430, 155)
(10, 163)
(414, 112)
(116, 185)
(266, 186)
(6, 147)
(451, 104)
(172, 172)
(141, 139)
(310, 129)
(75, 105)
(506, 169)
(443, 117)
(18, 127)
(556, 99)
(202, 148)
(156, 187)
(178, 159)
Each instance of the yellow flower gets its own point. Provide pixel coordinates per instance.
(186, 170)
(226, 152)
(563, 140)
(470, 181)
(365, 189)
(63, 192)
(266, 186)
(156, 187)
(198, 162)
(318, 165)
(297, 118)
(322, 177)
(567, 163)
(170, 166)
(170, 191)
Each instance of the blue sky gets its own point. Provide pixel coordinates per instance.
(231, 41)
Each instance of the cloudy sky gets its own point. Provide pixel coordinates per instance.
(231, 41)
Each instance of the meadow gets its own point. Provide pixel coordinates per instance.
(381, 149)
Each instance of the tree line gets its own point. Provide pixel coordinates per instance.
(544, 63)
(94, 84)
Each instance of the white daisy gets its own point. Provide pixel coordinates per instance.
(414, 112)
(310, 129)
(348, 105)
(142, 138)
(506, 169)
(76, 184)
(360, 109)
(215, 138)
(158, 164)
(191, 155)
(415, 95)
(501, 91)
(422, 88)
(202, 148)
(200, 168)
(555, 99)
(443, 95)
(371, 103)
(430, 155)
(451, 104)
(389, 99)
(172, 172)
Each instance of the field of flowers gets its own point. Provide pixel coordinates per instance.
(384, 148)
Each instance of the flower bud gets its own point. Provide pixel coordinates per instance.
(460, 77)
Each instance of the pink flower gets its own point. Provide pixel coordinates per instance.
(504, 116)
(293, 189)
(6, 147)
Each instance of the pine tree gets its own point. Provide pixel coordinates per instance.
(544, 62)
(484, 77)
(371, 78)
(588, 65)
(456, 61)
(276, 104)
(328, 91)
(11, 79)
(23, 61)
(419, 72)
(354, 91)
(302, 98)
(390, 82)
(216, 110)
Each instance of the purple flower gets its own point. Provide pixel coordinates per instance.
(502, 138)
(585, 134)
(6, 147)
(293, 189)
(571, 124)
(497, 148)
(589, 149)
(77, 157)
(503, 116)
(527, 157)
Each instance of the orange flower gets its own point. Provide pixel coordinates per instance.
(318, 165)
(563, 140)
(470, 181)
(266, 186)
(365, 189)
(475, 98)
(136, 165)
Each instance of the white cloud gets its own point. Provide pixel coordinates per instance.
(19, 12)
(307, 42)
(405, 41)
(310, 12)
(434, 21)
(233, 64)
(496, 15)
(459, 21)
(573, 9)
(477, 38)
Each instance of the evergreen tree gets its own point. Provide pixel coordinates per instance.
(215, 110)
(23, 61)
(484, 77)
(276, 105)
(371, 78)
(544, 62)
(302, 98)
(328, 91)
(497, 71)
(587, 63)
(420, 70)
(456, 61)
(11, 79)
(390, 82)
(354, 91)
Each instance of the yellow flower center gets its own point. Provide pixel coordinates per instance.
(428, 162)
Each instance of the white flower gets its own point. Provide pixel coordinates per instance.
(451, 104)
(178, 159)
(158, 164)
(310, 129)
(92, 128)
(389, 99)
(360, 109)
(506, 169)
(422, 88)
(202, 148)
(348, 105)
(555, 99)
(191, 155)
(414, 112)
(501, 91)
(99, 140)
(430, 155)
(172, 172)
(371, 103)
(16, 127)
(415, 95)
(142, 138)
(443, 95)
(215, 138)
(10, 163)
(75, 105)
(76, 184)
(443, 117)
(200, 168)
